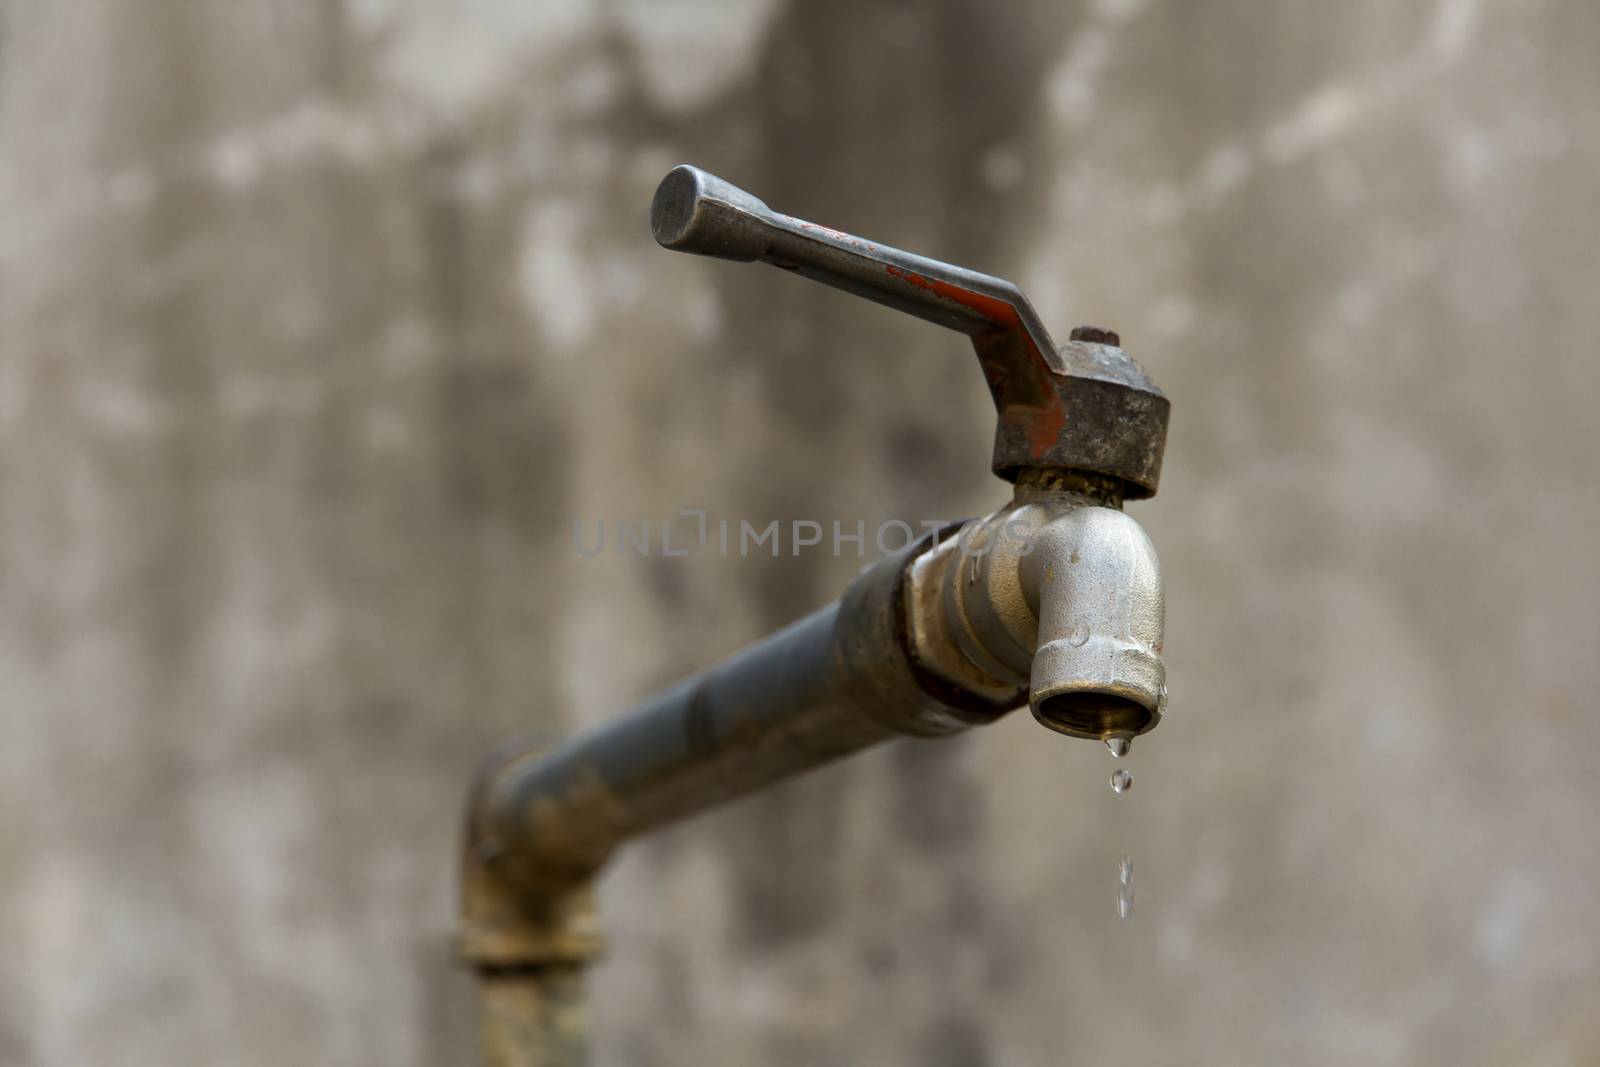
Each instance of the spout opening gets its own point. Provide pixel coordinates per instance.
(1094, 716)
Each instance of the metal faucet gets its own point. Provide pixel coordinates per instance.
(1056, 599)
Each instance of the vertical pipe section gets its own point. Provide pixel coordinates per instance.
(533, 1017)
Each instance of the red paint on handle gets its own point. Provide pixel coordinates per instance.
(1042, 424)
(990, 307)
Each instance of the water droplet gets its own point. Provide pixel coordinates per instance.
(1119, 746)
(1125, 872)
(1124, 901)
(1121, 781)
(1078, 636)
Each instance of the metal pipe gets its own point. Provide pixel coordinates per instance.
(541, 823)
(533, 1017)
(828, 685)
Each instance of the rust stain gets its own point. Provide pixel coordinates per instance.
(990, 307)
(828, 231)
(1041, 423)
(1043, 426)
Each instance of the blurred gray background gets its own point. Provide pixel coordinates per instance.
(321, 324)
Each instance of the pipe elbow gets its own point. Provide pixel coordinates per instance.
(1094, 582)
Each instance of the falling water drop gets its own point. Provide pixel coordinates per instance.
(1119, 746)
(1125, 887)
(1121, 780)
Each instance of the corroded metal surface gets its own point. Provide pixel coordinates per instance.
(533, 1017)
(1083, 406)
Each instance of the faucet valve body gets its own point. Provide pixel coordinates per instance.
(1055, 597)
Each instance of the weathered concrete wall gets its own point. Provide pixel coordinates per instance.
(321, 323)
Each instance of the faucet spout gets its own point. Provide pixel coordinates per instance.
(1094, 582)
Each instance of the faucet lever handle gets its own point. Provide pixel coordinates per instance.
(1041, 424)
(698, 212)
